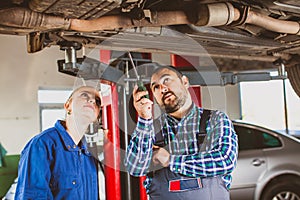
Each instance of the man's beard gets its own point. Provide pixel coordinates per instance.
(173, 105)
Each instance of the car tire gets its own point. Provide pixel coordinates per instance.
(293, 73)
(283, 188)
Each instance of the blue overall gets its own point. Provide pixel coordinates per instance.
(167, 185)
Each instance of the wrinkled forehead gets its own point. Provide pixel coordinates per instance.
(87, 89)
(159, 74)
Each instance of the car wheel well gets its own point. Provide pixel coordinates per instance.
(280, 180)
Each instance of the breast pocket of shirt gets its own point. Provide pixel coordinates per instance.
(62, 182)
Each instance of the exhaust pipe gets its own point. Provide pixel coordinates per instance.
(218, 14)
(163, 18)
(206, 15)
(271, 24)
(24, 18)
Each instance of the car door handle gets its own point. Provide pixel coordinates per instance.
(257, 162)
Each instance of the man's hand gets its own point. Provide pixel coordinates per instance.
(161, 156)
(142, 105)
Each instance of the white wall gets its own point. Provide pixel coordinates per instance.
(226, 99)
(21, 74)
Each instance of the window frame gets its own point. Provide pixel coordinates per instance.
(257, 131)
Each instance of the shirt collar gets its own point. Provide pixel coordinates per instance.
(68, 141)
(190, 113)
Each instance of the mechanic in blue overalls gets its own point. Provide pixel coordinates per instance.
(56, 164)
(180, 160)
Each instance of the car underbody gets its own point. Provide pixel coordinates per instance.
(239, 35)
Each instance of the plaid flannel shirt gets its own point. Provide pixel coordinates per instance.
(217, 157)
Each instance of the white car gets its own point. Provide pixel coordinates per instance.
(268, 166)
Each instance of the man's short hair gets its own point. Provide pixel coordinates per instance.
(159, 67)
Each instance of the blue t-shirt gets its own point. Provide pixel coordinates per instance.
(52, 166)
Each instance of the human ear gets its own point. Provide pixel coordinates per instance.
(185, 81)
(67, 105)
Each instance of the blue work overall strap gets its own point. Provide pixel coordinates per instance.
(173, 186)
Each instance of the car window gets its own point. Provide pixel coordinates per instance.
(270, 141)
(255, 139)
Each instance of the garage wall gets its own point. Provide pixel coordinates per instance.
(226, 99)
(22, 74)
